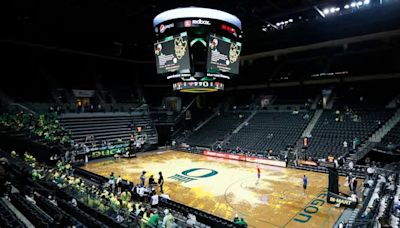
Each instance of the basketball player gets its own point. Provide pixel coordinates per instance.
(258, 174)
(305, 182)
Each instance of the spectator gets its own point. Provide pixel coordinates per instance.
(336, 163)
(356, 142)
(138, 145)
(342, 224)
(331, 158)
(354, 182)
(239, 221)
(396, 207)
(351, 165)
(154, 200)
(154, 219)
(138, 210)
(365, 190)
(126, 197)
(52, 200)
(119, 218)
(169, 220)
(191, 219)
(370, 172)
(367, 215)
(140, 191)
(161, 181)
(391, 146)
(119, 181)
(3, 175)
(349, 180)
(74, 203)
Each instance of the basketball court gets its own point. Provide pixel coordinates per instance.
(225, 188)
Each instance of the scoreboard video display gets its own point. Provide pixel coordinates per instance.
(223, 55)
(172, 54)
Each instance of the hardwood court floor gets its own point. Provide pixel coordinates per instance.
(276, 201)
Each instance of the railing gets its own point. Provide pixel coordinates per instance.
(364, 223)
(180, 115)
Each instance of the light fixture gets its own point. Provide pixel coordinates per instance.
(353, 4)
(326, 11)
(359, 3)
(346, 6)
(366, 2)
(278, 24)
(290, 20)
(337, 9)
(332, 10)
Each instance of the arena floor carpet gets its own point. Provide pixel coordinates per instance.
(225, 188)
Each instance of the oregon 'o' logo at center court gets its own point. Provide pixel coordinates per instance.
(186, 177)
(210, 174)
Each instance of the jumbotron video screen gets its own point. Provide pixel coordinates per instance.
(223, 55)
(172, 54)
(197, 48)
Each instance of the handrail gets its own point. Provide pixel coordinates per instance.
(184, 110)
(23, 107)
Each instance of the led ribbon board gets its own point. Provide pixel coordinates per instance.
(198, 87)
(196, 12)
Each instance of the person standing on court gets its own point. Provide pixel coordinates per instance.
(152, 182)
(305, 182)
(161, 181)
(258, 174)
(143, 178)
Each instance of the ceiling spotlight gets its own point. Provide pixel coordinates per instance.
(278, 24)
(269, 25)
(286, 22)
(346, 6)
(366, 2)
(337, 9)
(264, 29)
(359, 3)
(353, 4)
(290, 20)
(332, 10)
(326, 11)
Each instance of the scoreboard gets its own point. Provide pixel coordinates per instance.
(197, 48)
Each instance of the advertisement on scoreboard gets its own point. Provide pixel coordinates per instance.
(172, 54)
(223, 55)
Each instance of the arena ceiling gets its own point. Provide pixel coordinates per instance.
(109, 26)
(122, 30)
